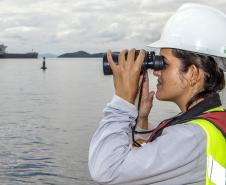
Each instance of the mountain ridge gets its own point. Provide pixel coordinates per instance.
(81, 54)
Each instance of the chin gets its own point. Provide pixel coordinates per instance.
(161, 97)
(158, 96)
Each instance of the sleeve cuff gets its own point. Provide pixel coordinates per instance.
(121, 104)
(141, 136)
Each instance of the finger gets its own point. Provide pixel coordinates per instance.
(146, 82)
(151, 95)
(122, 58)
(147, 96)
(146, 79)
(140, 59)
(131, 55)
(141, 79)
(111, 61)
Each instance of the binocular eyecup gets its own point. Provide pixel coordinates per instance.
(151, 61)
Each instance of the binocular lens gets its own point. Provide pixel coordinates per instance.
(151, 61)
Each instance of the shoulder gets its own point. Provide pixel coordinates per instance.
(187, 135)
(186, 130)
(189, 138)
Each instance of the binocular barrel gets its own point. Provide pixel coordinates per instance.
(151, 61)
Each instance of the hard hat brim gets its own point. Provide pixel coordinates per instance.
(163, 44)
(159, 44)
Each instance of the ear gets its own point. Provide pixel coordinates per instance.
(195, 75)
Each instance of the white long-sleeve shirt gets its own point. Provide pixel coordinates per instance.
(177, 157)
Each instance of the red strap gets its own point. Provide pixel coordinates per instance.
(160, 126)
(217, 118)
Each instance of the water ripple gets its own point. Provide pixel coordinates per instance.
(35, 159)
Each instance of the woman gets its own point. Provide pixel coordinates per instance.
(189, 148)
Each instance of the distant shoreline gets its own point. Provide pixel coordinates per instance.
(81, 54)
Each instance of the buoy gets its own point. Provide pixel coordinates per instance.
(44, 64)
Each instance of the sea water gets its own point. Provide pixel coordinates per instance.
(47, 118)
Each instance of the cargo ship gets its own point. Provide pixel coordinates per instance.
(4, 54)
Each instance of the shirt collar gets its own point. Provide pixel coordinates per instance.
(210, 102)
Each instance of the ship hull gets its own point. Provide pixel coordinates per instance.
(19, 55)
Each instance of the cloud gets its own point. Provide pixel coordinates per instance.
(93, 25)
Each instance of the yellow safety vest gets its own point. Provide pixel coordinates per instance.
(215, 151)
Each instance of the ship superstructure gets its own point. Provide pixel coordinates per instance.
(2, 49)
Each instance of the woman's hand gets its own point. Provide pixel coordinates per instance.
(145, 103)
(126, 74)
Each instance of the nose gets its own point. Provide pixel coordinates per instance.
(157, 73)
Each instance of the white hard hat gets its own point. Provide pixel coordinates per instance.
(197, 28)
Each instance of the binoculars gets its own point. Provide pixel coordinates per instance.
(151, 61)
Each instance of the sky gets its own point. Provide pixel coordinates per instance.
(60, 26)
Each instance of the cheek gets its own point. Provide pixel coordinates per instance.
(182, 82)
(173, 84)
(173, 81)
(177, 80)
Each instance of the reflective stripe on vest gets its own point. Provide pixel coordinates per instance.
(215, 150)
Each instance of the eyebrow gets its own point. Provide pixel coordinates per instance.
(164, 57)
(160, 53)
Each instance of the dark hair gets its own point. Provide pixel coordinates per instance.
(214, 80)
